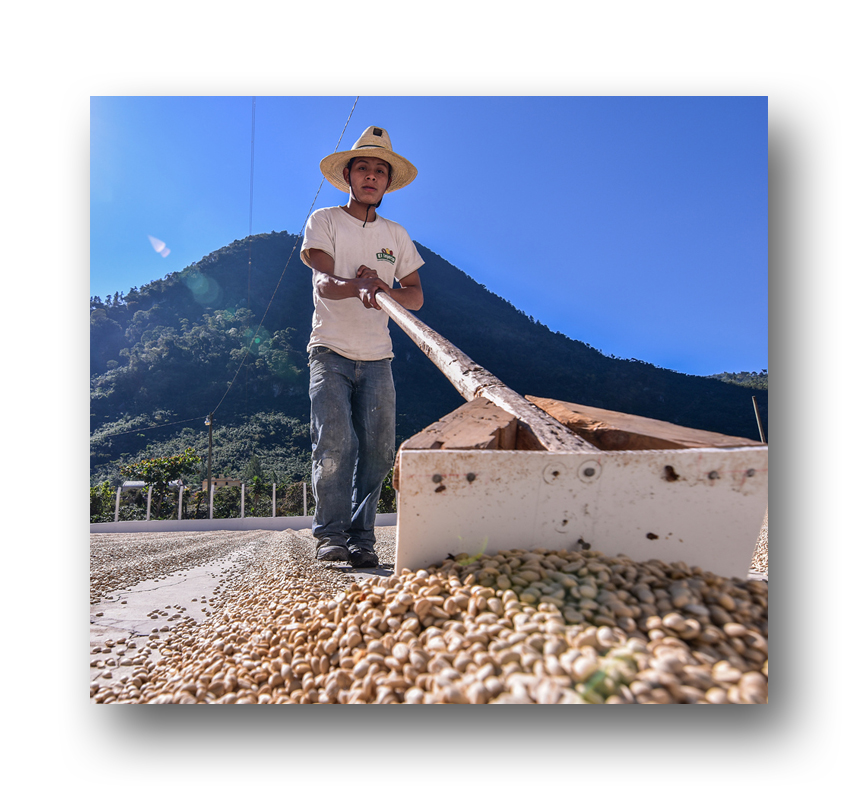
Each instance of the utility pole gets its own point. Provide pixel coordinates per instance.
(210, 426)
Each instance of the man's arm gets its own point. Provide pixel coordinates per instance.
(410, 292)
(331, 287)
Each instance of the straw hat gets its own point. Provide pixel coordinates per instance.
(373, 143)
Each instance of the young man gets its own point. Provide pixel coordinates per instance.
(354, 254)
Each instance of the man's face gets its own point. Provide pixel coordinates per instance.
(369, 178)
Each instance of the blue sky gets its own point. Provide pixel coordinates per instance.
(636, 224)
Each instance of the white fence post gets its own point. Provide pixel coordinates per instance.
(273, 499)
(304, 488)
(118, 492)
(181, 493)
(148, 503)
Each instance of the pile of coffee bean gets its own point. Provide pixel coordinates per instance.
(518, 626)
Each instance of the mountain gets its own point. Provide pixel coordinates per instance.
(755, 380)
(164, 356)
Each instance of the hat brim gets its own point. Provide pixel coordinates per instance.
(332, 167)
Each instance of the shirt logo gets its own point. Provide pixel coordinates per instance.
(386, 255)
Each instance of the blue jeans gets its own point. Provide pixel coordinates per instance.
(352, 429)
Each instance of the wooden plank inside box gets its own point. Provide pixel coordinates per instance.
(613, 430)
(477, 425)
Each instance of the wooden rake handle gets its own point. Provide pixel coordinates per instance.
(471, 380)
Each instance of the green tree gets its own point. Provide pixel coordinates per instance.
(158, 472)
(259, 495)
(387, 499)
(101, 499)
(227, 502)
(290, 500)
(253, 470)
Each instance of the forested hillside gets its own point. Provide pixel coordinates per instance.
(165, 355)
(754, 380)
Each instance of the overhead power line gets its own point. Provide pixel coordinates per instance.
(286, 266)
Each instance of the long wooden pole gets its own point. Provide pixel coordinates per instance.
(471, 380)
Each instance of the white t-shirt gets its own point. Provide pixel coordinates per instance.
(347, 326)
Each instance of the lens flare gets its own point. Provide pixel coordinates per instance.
(205, 290)
(253, 339)
(159, 247)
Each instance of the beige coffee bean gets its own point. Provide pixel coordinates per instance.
(584, 667)
(727, 602)
(674, 621)
(725, 672)
(753, 688)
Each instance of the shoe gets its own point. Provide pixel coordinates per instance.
(362, 558)
(332, 552)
